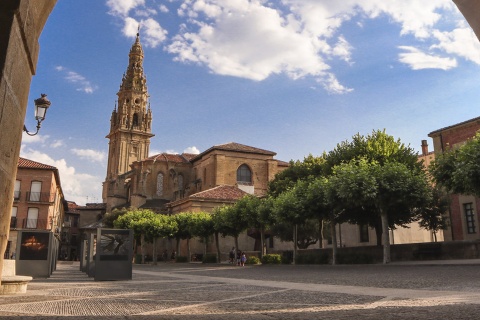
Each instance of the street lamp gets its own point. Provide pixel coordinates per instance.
(41, 106)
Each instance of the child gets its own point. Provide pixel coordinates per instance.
(243, 258)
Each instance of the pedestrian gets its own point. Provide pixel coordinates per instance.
(239, 255)
(232, 255)
(243, 259)
(174, 255)
(165, 256)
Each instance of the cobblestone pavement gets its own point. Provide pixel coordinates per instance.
(196, 291)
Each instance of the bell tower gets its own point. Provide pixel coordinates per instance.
(130, 123)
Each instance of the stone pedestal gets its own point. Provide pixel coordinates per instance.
(11, 283)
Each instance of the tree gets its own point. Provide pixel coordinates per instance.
(160, 226)
(309, 168)
(230, 221)
(379, 148)
(458, 170)
(432, 217)
(139, 220)
(202, 226)
(110, 217)
(394, 191)
(184, 222)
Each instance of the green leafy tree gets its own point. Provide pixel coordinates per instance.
(110, 217)
(184, 222)
(393, 191)
(380, 148)
(160, 226)
(458, 170)
(202, 226)
(309, 168)
(139, 220)
(231, 220)
(433, 215)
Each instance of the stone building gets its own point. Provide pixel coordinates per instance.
(463, 215)
(38, 202)
(21, 24)
(172, 183)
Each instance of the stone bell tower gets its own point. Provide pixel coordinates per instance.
(130, 124)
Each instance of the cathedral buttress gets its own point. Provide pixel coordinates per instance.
(131, 121)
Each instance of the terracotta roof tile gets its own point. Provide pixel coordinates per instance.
(223, 192)
(29, 164)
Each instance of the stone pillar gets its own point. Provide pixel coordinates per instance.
(21, 23)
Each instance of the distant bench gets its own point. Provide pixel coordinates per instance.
(428, 251)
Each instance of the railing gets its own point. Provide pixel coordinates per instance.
(13, 222)
(35, 224)
(40, 197)
(16, 195)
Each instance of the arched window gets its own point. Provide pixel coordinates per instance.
(244, 175)
(160, 184)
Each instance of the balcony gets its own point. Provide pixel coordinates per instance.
(16, 195)
(35, 224)
(40, 197)
(13, 223)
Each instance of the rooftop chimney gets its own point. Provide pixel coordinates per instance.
(424, 147)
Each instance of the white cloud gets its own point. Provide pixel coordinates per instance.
(152, 33)
(56, 144)
(80, 81)
(90, 155)
(418, 60)
(163, 8)
(38, 139)
(461, 42)
(255, 39)
(192, 150)
(123, 7)
(76, 186)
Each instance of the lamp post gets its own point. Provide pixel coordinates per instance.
(41, 106)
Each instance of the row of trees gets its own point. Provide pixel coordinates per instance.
(372, 180)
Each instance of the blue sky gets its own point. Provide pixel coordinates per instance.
(291, 76)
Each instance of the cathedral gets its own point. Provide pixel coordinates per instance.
(173, 183)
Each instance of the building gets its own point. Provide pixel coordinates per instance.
(172, 183)
(38, 202)
(463, 215)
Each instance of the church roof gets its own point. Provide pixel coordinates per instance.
(236, 147)
(222, 192)
(169, 157)
(29, 164)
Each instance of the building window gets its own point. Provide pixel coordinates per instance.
(244, 175)
(204, 176)
(16, 194)
(159, 184)
(35, 191)
(470, 217)
(13, 218)
(364, 236)
(32, 218)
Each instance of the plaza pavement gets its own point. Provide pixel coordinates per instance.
(420, 290)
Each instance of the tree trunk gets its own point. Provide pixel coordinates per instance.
(178, 246)
(320, 231)
(434, 236)
(262, 241)
(205, 247)
(142, 247)
(334, 242)
(217, 244)
(189, 255)
(154, 252)
(236, 246)
(378, 232)
(294, 243)
(385, 237)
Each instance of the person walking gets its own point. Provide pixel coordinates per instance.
(232, 255)
(243, 259)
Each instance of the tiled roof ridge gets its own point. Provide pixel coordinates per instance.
(225, 192)
(30, 164)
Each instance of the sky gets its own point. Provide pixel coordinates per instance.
(291, 76)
